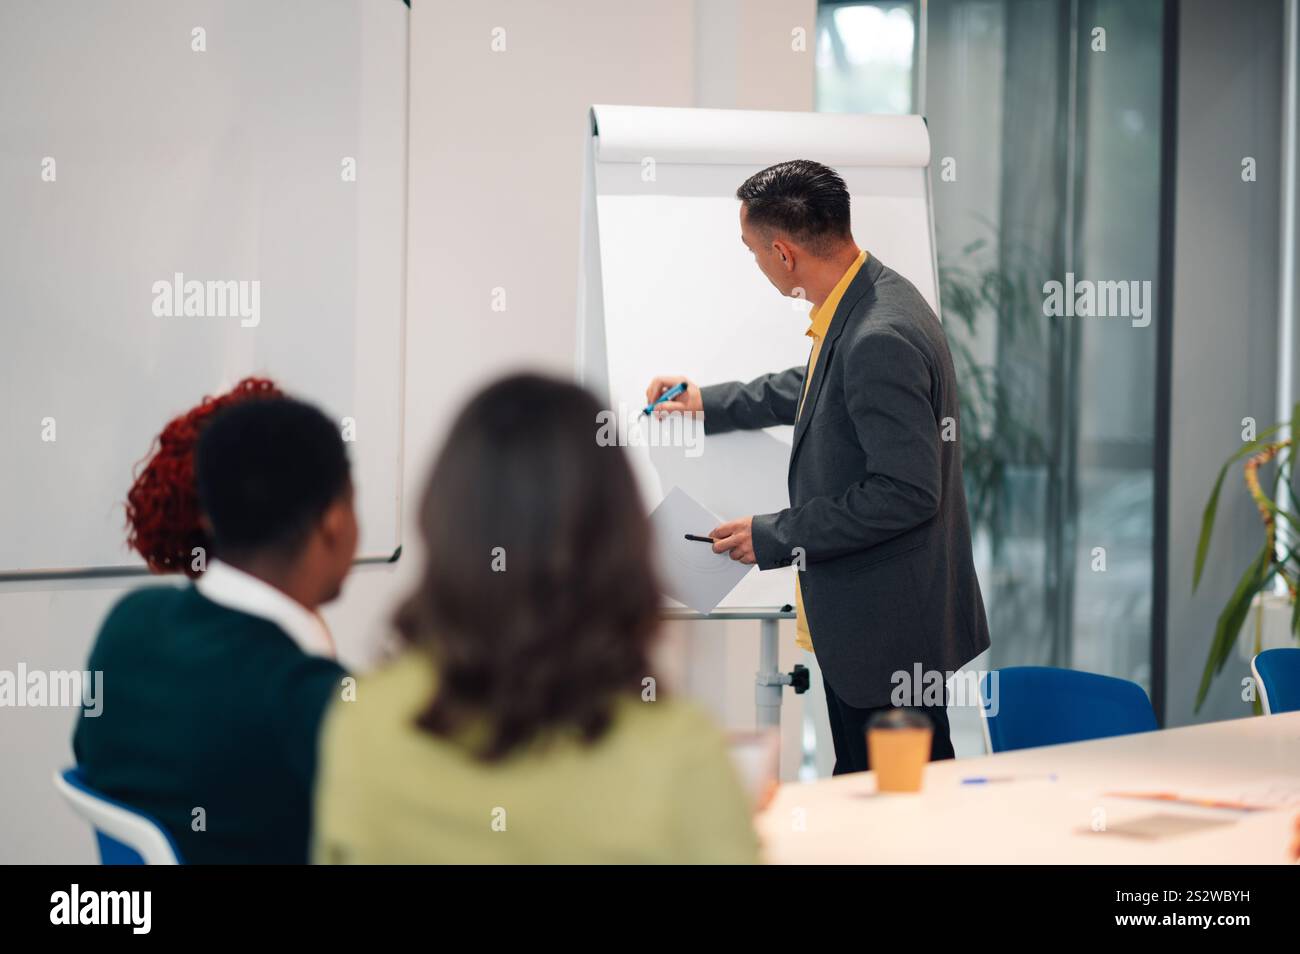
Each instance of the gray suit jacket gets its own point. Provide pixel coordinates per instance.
(877, 501)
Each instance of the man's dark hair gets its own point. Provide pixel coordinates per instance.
(537, 602)
(804, 199)
(266, 472)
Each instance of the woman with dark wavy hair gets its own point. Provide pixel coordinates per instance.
(522, 723)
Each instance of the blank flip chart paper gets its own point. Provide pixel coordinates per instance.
(689, 571)
(667, 287)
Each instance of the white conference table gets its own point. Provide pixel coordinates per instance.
(1036, 820)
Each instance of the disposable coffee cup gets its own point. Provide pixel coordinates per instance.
(898, 746)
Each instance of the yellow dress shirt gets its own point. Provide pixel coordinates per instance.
(821, 316)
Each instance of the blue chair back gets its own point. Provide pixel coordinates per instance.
(1277, 673)
(1039, 705)
(125, 836)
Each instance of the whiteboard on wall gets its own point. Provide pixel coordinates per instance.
(667, 287)
(223, 141)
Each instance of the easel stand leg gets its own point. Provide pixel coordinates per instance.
(769, 680)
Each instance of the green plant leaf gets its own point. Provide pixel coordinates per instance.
(1212, 506)
(1233, 616)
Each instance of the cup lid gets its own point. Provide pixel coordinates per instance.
(900, 719)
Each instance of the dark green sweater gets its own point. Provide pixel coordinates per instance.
(207, 707)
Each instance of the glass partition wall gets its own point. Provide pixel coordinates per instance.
(1045, 119)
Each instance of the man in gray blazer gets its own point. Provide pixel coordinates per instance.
(877, 524)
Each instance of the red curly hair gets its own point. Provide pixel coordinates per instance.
(162, 507)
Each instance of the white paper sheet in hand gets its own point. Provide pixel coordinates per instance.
(690, 572)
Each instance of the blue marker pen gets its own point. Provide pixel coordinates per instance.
(668, 395)
(990, 779)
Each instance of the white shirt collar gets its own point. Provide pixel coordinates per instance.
(234, 589)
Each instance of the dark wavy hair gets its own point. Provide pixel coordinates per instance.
(537, 601)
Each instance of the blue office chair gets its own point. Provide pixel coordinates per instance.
(125, 836)
(1038, 705)
(1277, 673)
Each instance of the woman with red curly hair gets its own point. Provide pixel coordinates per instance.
(162, 507)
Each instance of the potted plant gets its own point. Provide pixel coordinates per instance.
(1269, 582)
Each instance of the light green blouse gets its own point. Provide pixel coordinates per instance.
(658, 787)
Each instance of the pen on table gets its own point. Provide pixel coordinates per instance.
(989, 779)
(693, 537)
(668, 395)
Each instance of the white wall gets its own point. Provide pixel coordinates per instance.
(495, 175)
